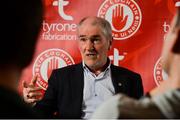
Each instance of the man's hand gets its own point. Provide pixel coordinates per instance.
(31, 93)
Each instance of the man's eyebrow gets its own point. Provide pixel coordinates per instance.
(82, 35)
(96, 36)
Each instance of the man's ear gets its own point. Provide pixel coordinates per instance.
(110, 43)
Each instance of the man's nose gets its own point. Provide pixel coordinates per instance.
(89, 44)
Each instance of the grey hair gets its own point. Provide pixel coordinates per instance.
(103, 23)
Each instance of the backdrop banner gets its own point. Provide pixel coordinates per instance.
(138, 26)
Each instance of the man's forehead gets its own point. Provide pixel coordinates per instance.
(91, 21)
(90, 28)
(94, 36)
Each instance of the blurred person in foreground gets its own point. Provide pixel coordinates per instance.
(76, 91)
(163, 101)
(20, 25)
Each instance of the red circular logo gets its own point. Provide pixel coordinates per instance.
(159, 73)
(124, 16)
(47, 61)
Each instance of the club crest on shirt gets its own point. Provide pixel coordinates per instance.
(124, 16)
(47, 61)
(159, 73)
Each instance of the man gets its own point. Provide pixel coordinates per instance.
(165, 100)
(75, 91)
(20, 26)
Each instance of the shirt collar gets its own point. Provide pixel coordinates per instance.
(86, 68)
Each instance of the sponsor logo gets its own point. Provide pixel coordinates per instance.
(47, 61)
(61, 4)
(166, 27)
(124, 15)
(116, 57)
(58, 31)
(159, 73)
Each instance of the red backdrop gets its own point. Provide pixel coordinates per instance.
(137, 41)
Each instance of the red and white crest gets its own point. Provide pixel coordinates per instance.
(47, 61)
(124, 15)
(159, 73)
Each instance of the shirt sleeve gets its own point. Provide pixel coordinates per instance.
(169, 103)
(122, 106)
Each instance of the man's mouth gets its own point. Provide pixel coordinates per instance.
(91, 54)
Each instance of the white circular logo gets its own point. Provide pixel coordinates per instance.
(47, 61)
(159, 73)
(124, 16)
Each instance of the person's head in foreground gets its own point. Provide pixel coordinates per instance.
(20, 25)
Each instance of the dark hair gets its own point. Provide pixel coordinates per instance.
(20, 25)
